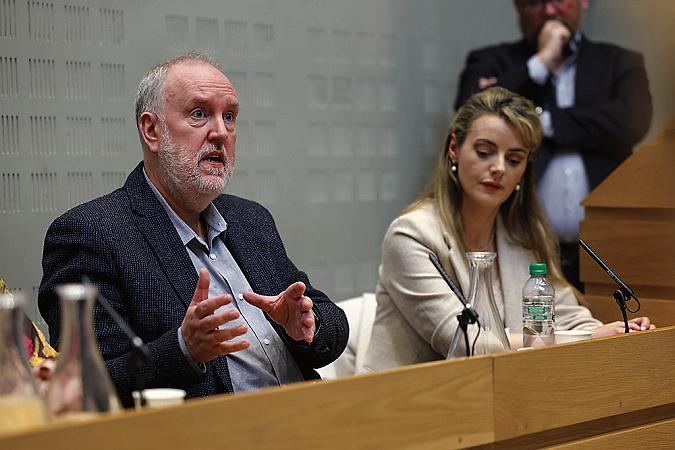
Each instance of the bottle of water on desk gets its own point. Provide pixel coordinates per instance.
(538, 308)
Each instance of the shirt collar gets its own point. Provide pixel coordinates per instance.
(575, 42)
(215, 222)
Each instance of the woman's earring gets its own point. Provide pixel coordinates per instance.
(517, 187)
(453, 166)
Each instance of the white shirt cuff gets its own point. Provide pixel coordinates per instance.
(197, 367)
(546, 123)
(537, 70)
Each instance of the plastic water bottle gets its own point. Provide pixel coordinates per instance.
(538, 308)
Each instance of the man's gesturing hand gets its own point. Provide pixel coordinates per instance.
(200, 325)
(291, 309)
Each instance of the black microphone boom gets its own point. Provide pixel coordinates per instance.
(621, 295)
(468, 314)
(606, 268)
(446, 277)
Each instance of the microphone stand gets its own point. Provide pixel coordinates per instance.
(468, 314)
(623, 294)
(140, 355)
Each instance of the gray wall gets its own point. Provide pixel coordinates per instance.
(343, 107)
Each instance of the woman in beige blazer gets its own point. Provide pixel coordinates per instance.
(481, 198)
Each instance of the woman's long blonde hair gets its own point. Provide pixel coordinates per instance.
(521, 213)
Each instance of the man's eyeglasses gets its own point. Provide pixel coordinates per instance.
(536, 4)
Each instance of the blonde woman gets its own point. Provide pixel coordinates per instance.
(481, 198)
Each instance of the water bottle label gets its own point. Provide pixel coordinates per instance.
(538, 312)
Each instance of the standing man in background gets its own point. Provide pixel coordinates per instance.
(593, 99)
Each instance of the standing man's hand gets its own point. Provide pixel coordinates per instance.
(553, 38)
(291, 309)
(200, 325)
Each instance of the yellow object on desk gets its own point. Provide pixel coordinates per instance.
(37, 347)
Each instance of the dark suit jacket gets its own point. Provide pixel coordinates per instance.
(125, 243)
(612, 107)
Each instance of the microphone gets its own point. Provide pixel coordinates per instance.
(610, 272)
(472, 315)
(621, 295)
(140, 355)
(468, 314)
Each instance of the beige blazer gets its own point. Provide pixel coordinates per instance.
(416, 311)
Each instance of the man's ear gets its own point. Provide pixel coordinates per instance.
(585, 4)
(148, 126)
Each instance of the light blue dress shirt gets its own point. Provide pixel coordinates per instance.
(268, 361)
(564, 183)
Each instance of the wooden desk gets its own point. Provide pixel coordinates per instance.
(592, 394)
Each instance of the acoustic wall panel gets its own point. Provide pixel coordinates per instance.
(112, 82)
(235, 38)
(42, 78)
(41, 21)
(78, 24)
(111, 26)
(79, 136)
(112, 180)
(365, 137)
(9, 134)
(206, 36)
(44, 193)
(177, 33)
(78, 80)
(43, 135)
(10, 192)
(9, 77)
(8, 18)
(79, 187)
(112, 136)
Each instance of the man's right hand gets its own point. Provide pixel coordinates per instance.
(553, 38)
(200, 325)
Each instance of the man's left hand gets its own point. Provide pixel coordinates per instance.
(291, 309)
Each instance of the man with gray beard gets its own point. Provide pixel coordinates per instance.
(201, 276)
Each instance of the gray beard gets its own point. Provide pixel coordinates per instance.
(180, 174)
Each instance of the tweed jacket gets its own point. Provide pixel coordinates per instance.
(416, 311)
(612, 105)
(125, 243)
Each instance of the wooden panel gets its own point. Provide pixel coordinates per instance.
(558, 386)
(657, 436)
(629, 214)
(660, 312)
(640, 252)
(668, 133)
(438, 405)
(607, 289)
(643, 181)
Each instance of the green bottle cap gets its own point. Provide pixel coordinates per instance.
(538, 269)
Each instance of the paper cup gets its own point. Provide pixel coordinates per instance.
(159, 398)
(565, 336)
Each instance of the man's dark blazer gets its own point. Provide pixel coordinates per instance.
(612, 106)
(125, 243)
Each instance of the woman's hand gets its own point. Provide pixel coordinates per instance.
(618, 327)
